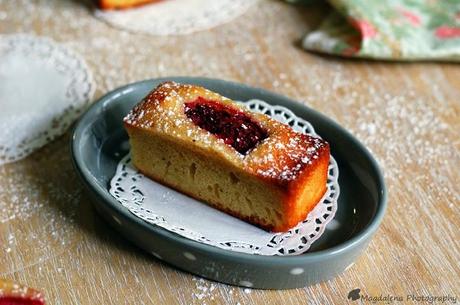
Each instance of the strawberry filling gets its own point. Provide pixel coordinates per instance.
(233, 126)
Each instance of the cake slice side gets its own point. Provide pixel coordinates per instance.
(306, 191)
(206, 178)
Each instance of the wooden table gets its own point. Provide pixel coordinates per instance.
(408, 114)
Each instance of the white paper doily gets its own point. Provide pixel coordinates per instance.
(176, 17)
(165, 207)
(43, 88)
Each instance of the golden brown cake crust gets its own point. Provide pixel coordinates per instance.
(293, 164)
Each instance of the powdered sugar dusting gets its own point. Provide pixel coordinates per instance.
(39, 207)
(208, 291)
(386, 132)
(204, 289)
(292, 157)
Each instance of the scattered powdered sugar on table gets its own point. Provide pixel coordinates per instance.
(403, 129)
(209, 291)
(37, 208)
(205, 289)
(12, 205)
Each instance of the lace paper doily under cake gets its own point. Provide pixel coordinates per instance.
(167, 208)
(176, 17)
(43, 88)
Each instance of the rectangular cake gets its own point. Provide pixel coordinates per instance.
(243, 163)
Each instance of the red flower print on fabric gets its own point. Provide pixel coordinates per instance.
(413, 18)
(366, 28)
(446, 32)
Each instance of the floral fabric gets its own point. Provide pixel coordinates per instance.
(390, 29)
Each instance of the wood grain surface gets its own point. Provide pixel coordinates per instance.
(408, 114)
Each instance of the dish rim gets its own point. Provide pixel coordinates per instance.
(309, 257)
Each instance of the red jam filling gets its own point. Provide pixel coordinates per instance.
(19, 301)
(235, 127)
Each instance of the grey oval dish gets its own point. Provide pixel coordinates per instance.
(97, 148)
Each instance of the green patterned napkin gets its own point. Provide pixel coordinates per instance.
(390, 29)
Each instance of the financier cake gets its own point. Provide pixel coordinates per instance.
(215, 150)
